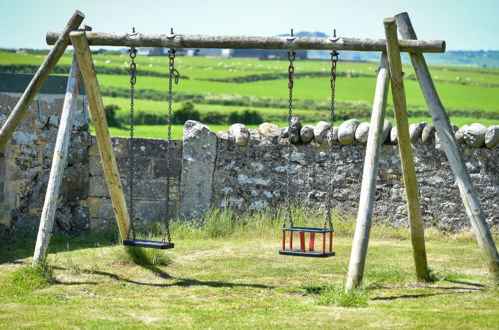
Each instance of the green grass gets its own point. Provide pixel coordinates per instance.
(454, 96)
(228, 274)
(33, 278)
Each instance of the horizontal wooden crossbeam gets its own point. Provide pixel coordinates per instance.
(251, 42)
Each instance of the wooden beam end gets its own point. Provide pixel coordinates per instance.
(79, 14)
(403, 15)
(76, 34)
(389, 21)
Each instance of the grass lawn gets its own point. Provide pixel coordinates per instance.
(231, 276)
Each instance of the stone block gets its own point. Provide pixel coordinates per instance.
(307, 133)
(346, 131)
(161, 169)
(415, 131)
(150, 189)
(321, 132)
(362, 133)
(95, 165)
(100, 207)
(240, 134)
(294, 130)
(199, 154)
(492, 136)
(98, 186)
(474, 135)
(142, 167)
(269, 130)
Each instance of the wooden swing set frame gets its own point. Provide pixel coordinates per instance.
(390, 70)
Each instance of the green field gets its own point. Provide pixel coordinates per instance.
(469, 94)
(229, 275)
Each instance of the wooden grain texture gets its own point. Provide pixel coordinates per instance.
(96, 106)
(39, 78)
(367, 194)
(449, 145)
(251, 42)
(405, 150)
(58, 164)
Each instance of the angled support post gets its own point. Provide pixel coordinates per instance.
(39, 78)
(368, 190)
(82, 52)
(405, 150)
(456, 161)
(58, 164)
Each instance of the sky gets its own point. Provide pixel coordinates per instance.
(464, 25)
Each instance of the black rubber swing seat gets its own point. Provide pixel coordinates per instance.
(300, 253)
(148, 244)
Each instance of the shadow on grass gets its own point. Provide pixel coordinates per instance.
(472, 287)
(183, 282)
(19, 247)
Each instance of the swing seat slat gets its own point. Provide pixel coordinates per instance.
(148, 244)
(308, 229)
(300, 253)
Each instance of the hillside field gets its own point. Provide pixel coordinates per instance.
(223, 86)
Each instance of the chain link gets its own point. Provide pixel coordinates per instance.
(291, 70)
(173, 76)
(131, 158)
(329, 196)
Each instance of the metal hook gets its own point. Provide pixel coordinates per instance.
(291, 37)
(171, 35)
(334, 38)
(133, 32)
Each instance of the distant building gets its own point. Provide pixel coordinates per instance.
(265, 54)
(261, 54)
(151, 51)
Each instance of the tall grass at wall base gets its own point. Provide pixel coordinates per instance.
(267, 223)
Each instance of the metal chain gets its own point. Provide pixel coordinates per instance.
(173, 75)
(131, 158)
(329, 196)
(291, 71)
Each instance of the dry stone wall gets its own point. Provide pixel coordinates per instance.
(25, 166)
(240, 168)
(253, 175)
(151, 175)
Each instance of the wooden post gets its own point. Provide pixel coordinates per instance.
(405, 150)
(82, 52)
(58, 164)
(38, 79)
(368, 190)
(456, 161)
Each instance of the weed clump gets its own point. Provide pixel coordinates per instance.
(33, 278)
(335, 295)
